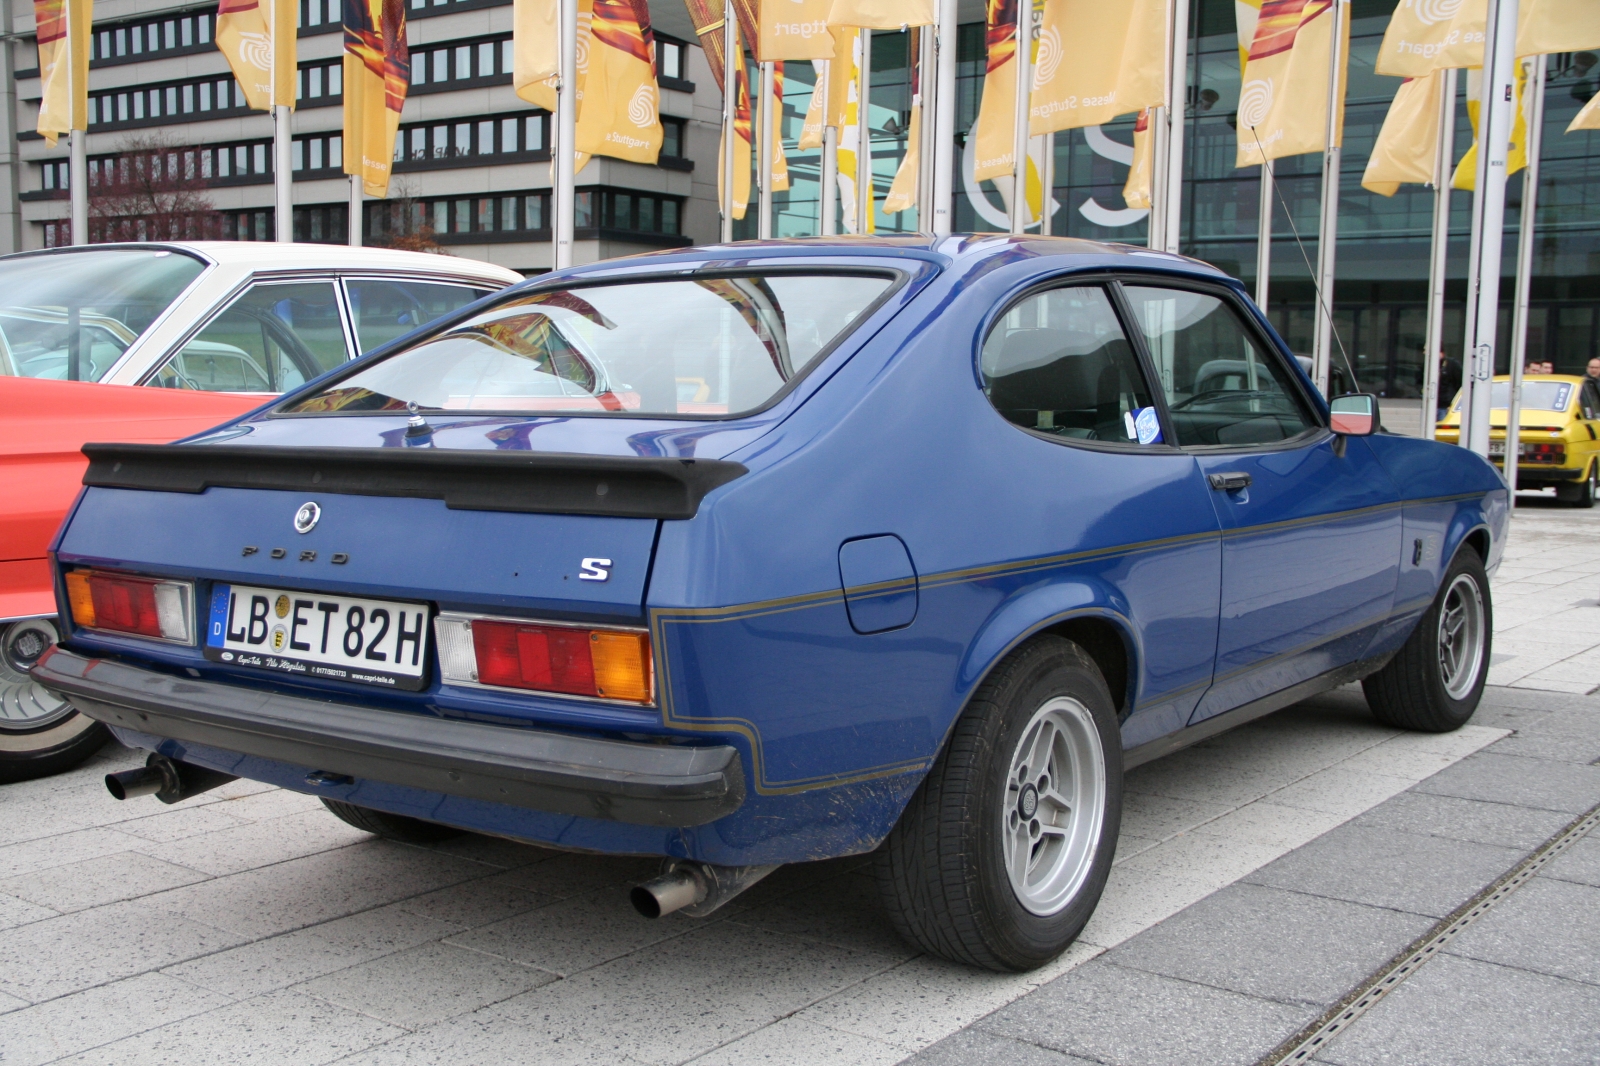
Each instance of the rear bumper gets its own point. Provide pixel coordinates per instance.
(624, 781)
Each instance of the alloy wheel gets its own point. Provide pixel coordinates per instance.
(1054, 806)
(1461, 633)
(24, 704)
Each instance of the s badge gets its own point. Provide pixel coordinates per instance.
(594, 570)
(305, 519)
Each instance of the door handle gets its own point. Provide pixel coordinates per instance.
(1230, 481)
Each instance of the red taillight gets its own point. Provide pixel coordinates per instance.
(604, 663)
(123, 603)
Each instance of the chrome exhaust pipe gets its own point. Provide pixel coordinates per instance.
(695, 888)
(166, 779)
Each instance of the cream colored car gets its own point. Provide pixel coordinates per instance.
(220, 316)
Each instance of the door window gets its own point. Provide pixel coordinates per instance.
(1221, 388)
(274, 337)
(1059, 363)
(386, 309)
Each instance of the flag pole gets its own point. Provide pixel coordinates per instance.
(1048, 181)
(564, 221)
(828, 195)
(78, 184)
(1178, 95)
(864, 198)
(730, 112)
(944, 120)
(353, 231)
(1264, 238)
(1488, 222)
(926, 77)
(1527, 223)
(282, 173)
(1328, 226)
(1439, 252)
(764, 155)
(1019, 142)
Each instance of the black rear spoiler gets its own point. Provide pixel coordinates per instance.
(626, 486)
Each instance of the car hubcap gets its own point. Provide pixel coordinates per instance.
(1461, 633)
(24, 704)
(1054, 806)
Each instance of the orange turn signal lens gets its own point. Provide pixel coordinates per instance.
(621, 665)
(80, 598)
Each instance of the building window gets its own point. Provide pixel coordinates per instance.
(320, 82)
(419, 143)
(456, 62)
(672, 58)
(457, 219)
(672, 138)
(151, 38)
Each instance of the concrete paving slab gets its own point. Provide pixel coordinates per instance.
(575, 934)
(248, 845)
(80, 885)
(1580, 863)
(103, 1015)
(474, 904)
(1534, 929)
(180, 824)
(59, 956)
(1239, 939)
(270, 1030)
(425, 984)
(1478, 821)
(1460, 1012)
(14, 911)
(30, 857)
(793, 1042)
(975, 1046)
(730, 980)
(1389, 868)
(267, 965)
(481, 1040)
(1117, 1015)
(1506, 779)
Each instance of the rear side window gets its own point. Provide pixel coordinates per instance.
(707, 345)
(1059, 363)
(1221, 388)
(390, 308)
(276, 336)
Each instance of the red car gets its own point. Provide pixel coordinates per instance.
(43, 426)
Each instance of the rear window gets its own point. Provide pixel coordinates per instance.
(1536, 395)
(705, 346)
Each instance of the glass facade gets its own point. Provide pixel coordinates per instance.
(1380, 295)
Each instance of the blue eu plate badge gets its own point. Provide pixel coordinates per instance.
(1146, 426)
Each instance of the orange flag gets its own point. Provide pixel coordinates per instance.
(707, 18)
(258, 39)
(63, 27)
(1283, 103)
(996, 125)
(377, 73)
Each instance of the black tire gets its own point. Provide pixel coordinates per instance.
(942, 873)
(40, 734)
(1412, 691)
(1579, 493)
(390, 826)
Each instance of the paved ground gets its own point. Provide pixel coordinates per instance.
(1262, 875)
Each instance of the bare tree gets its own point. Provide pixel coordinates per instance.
(404, 222)
(154, 189)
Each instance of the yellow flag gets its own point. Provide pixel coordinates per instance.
(794, 29)
(619, 101)
(903, 192)
(1588, 118)
(249, 35)
(1409, 138)
(1283, 102)
(1466, 175)
(377, 73)
(535, 50)
(995, 130)
(1136, 191)
(1246, 13)
(848, 154)
(880, 14)
(780, 162)
(1429, 35)
(811, 129)
(63, 28)
(1547, 26)
(1097, 60)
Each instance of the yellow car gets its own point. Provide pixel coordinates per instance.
(1560, 434)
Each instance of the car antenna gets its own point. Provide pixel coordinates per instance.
(416, 425)
(1268, 174)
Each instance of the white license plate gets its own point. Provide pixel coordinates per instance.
(1497, 447)
(374, 642)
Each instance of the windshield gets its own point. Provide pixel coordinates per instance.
(71, 316)
(703, 346)
(1536, 395)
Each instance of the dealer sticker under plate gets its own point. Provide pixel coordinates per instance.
(374, 642)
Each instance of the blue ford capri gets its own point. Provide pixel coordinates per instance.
(774, 552)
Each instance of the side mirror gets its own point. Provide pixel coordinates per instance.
(1355, 415)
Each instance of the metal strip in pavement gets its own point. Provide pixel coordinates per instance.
(1301, 1048)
